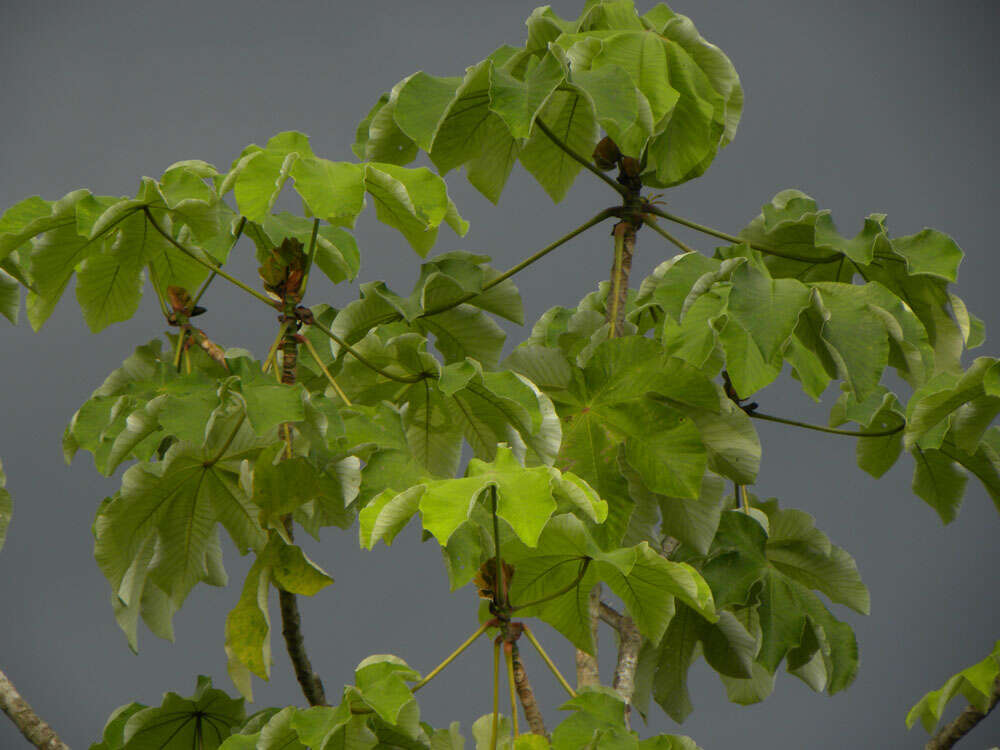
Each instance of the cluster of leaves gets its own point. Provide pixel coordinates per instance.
(664, 95)
(378, 710)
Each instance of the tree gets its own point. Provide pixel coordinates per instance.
(658, 445)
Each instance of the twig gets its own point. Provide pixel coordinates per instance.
(954, 731)
(527, 696)
(30, 724)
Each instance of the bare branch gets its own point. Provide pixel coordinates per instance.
(956, 730)
(30, 724)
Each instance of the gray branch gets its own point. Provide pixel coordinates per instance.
(30, 724)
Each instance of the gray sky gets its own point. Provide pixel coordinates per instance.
(869, 107)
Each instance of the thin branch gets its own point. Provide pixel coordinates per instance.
(820, 428)
(236, 238)
(585, 563)
(210, 266)
(361, 358)
(605, 214)
(582, 160)
(953, 732)
(526, 694)
(652, 224)
(739, 240)
(30, 724)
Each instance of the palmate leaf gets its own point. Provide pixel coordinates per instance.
(171, 508)
(608, 407)
(975, 683)
(656, 87)
(336, 253)
(248, 624)
(776, 575)
(110, 240)
(568, 559)
(413, 201)
(881, 411)
(202, 721)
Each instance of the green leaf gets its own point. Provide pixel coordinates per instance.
(6, 507)
(268, 403)
(114, 728)
(333, 191)
(938, 481)
(248, 624)
(975, 393)
(524, 497)
(747, 569)
(598, 721)
(413, 201)
(727, 646)
(571, 118)
(975, 683)
(646, 582)
(10, 297)
(173, 506)
(518, 100)
(880, 411)
(203, 721)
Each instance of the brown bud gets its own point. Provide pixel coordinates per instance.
(631, 167)
(606, 154)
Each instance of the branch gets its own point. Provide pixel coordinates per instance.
(291, 620)
(582, 160)
(30, 724)
(587, 669)
(739, 240)
(629, 643)
(820, 428)
(953, 732)
(527, 696)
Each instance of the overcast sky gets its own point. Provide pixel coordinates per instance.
(869, 107)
